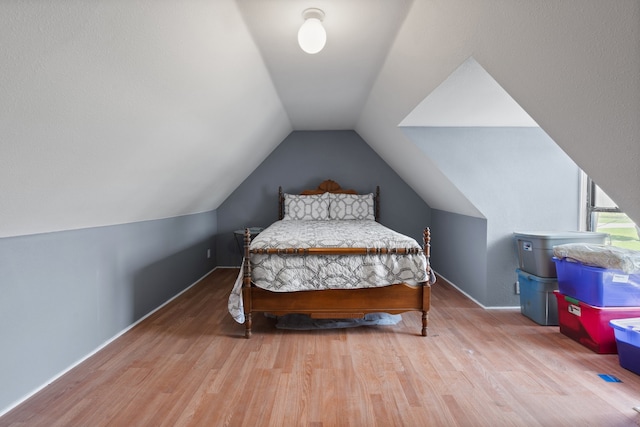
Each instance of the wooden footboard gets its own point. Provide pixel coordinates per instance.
(344, 303)
(335, 303)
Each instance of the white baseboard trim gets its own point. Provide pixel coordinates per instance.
(449, 282)
(100, 347)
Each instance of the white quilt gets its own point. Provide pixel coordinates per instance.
(292, 273)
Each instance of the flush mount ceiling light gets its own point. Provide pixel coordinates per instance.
(312, 36)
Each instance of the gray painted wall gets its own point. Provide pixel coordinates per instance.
(65, 294)
(303, 160)
(459, 251)
(519, 179)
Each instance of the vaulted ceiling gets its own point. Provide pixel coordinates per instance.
(114, 112)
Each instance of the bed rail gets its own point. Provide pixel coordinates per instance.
(336, 251)
(426, 249)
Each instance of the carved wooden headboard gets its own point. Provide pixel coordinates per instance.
(328, 186)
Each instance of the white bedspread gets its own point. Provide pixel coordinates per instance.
(292, 273)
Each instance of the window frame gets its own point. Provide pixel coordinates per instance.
(591, 221)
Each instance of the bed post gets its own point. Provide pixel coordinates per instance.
(280, 203)
(377, 203)
(246, 284)
(426, 239)
(426, 293)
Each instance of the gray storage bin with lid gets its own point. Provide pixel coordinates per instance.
(535, 249)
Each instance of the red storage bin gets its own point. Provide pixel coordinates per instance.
(589, 325)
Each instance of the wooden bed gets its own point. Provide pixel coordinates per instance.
(334, 303)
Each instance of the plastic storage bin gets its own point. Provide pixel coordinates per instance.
(597, 286)
(589, 325)
(537, 300)
(627, 333)
(535, 249)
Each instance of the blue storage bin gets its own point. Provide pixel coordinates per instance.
(537, 300)
(600, 287)
(627, 333)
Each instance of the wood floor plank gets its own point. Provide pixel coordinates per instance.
(189, 364)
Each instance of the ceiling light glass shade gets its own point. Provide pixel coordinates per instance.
(312, 36)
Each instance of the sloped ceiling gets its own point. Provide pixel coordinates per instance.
(114, 112)
(327, 90)
(572, 65)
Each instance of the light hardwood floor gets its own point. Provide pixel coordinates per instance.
(189, 364)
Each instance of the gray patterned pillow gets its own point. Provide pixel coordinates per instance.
(352, 206)
(314, 207)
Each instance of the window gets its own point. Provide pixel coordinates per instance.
(604, 216)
